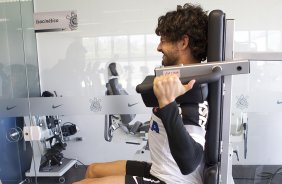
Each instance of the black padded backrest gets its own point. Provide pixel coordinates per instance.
(216, 48)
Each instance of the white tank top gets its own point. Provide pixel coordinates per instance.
(164, 166)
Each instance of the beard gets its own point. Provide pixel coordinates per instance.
(169, 59)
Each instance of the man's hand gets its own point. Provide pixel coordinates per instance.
(168, 87)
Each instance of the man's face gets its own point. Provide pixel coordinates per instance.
(170, 52)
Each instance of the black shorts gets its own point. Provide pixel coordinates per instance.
(139, 173)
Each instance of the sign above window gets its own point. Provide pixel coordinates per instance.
(55, 21)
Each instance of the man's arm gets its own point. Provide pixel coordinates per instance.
(185, 150)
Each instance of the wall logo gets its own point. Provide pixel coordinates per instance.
(73, 20)
(95, 105)
(10, 108)
(56, 106)
(242, 102)
(132, 104)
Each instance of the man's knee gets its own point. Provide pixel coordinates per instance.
(91, 170)
(98, 170)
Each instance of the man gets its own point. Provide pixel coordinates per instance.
(176, 140)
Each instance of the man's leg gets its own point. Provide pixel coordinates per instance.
(99, 170)
(104, 180)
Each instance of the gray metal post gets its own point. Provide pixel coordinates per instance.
(226, 152)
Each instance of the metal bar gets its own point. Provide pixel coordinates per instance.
(226, 163)
(259, 56)
(226, 159)
(228, 68)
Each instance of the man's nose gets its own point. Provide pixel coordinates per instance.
(159, 48)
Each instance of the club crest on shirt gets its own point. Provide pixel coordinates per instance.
(155, 127)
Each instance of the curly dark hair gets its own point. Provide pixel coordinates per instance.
(188, 20)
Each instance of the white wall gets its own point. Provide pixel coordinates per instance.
(75, 63)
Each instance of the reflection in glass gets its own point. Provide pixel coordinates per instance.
(137, 46)
(258, 41)
(274, 42)
(256, 124)
(120, 47)
(104, 47)
(85, 63)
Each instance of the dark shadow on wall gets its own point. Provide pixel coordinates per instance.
(19, 81)
(73, 76)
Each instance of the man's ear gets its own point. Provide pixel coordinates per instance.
(184, 43)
